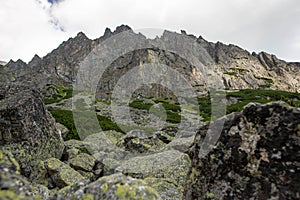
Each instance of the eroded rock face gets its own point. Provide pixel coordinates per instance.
(27, 130)
(256, 157)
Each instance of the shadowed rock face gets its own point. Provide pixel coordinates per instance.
(27, 130)
(257, 156)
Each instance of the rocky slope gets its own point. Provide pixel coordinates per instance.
(44, 154)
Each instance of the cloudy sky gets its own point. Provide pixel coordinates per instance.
(31, 27)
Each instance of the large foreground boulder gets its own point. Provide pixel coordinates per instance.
(257, 156)
(27, 130)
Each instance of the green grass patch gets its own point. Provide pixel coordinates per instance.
(261, 96)
(172, 110)
(205, 107)
(241, 70)
(268, 80)
(65, 117)
(140, 104)
(107, 124)
(247, 96)
(231, 73)
(244, 97)
(61, 94)
(264, 86)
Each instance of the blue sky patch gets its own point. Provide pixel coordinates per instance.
(53, 1)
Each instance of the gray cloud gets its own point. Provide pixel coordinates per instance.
(265, 25)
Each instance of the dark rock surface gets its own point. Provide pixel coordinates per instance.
(257, 156)
(27, 130)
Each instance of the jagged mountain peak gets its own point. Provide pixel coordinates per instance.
(122, 28)
(81, 36)
(36, 58)
(107, 32)
(237, 67)
(13, 63)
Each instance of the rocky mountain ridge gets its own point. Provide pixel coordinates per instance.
(237, 68)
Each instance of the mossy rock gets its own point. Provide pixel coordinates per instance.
(172, 164)
(100, 142)
(166, 188)
(83, 161)
(62, 174)
(10, 195)
(180, 144)
(120, 187)
(77, 144)
(15, 186)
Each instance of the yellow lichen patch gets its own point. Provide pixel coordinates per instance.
(10, 195)
(125, 191)
(210, 195)
(104, 187)
(88, 197)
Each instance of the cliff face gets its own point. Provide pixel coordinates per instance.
(237, 68)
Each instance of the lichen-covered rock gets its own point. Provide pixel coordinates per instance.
(181, 144)
(171, 164)
(27, 129)
(119, 187)
(164, 136)
(83, 161)
(143, 145)
(256, 157)
(167, 189)
(101, 147)
(114, 136)
(110, 165)
(64, 131)
(81, 146)
(62, 174)
(15, 186)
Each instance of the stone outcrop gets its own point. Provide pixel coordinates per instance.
(256, 156)
(27, 130)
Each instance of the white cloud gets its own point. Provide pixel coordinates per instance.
(263, 25)
(26, 29)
